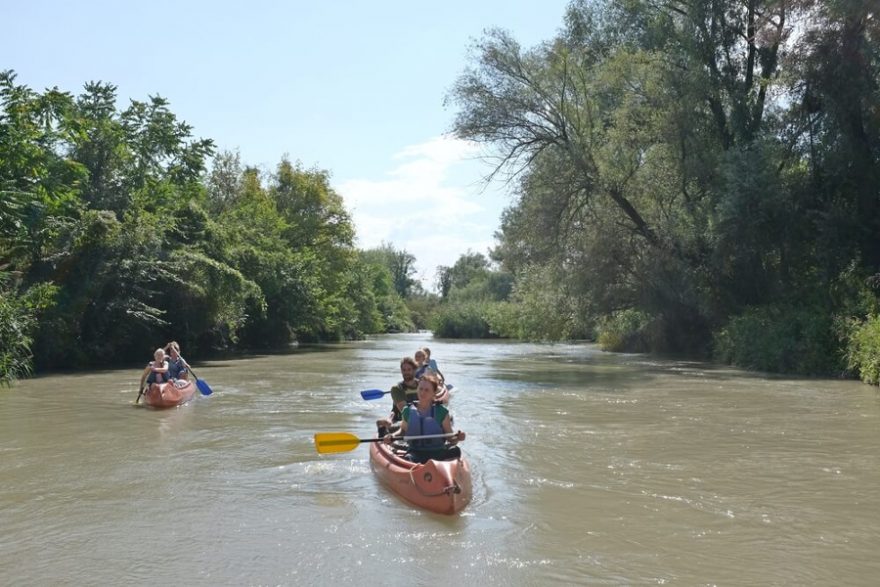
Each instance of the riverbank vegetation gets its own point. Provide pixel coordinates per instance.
(691, 177)
(117, 235)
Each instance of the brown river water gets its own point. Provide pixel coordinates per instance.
(589, 468)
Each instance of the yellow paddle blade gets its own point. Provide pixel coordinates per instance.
(327, 442)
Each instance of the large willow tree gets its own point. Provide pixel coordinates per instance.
(687, 160)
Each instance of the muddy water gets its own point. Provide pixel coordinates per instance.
(589, 468)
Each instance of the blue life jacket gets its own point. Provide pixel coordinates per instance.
(418, 425)
(175, 368)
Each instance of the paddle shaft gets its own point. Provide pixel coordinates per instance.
(369, 394)
(408, 438)
(331, 442)
(144, 387)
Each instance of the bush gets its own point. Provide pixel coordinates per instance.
(18, 321)
(396, 315)
(863, 349)
(15, 341)
(463, 320)
(624, 331)
(540, 308)
(421, 309)
(791, 338)
(505, 320)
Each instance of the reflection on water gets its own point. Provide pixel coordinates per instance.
(588, 468)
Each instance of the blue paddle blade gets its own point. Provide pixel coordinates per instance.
(372, 393)
(203, 387)
(449, 386)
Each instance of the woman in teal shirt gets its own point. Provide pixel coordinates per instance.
(427, 418)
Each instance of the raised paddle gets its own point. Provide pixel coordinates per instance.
(378, 393)
(203, 386)
(373, 393)
(328, 442)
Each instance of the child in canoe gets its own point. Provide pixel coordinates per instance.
(157, 369)
(427, 364)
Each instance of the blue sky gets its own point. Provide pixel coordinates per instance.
(355, 88)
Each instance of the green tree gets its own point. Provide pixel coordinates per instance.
(390, 271)
(320, 229)
(115, 234)
(224, 181)
(401, 265)
(685, 161)
(18, 323)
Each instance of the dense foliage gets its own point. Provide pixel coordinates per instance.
(468, 292)
(690, 176)
(690, 172)
(120, 231)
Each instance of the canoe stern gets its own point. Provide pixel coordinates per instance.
(443, 487)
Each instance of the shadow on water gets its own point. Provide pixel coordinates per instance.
(593, 368)
(301, 349)
(214, 360)
(546, 377)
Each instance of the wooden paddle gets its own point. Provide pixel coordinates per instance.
(330, 442)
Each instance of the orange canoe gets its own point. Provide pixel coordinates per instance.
(168, 395)
(443, 487)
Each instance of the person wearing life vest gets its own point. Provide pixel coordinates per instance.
(427, 364)
(427, 418)
(156, 371)
(402, 394)
(178, 368)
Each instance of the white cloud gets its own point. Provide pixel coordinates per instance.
(432, 202)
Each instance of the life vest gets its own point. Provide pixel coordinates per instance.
(176, 367)
(418, 425)
(411, 396)
(154, 377)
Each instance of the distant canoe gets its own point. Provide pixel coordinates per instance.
(443, 487)
(168, 395)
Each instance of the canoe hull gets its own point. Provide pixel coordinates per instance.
(442, 487)
(169, 395)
